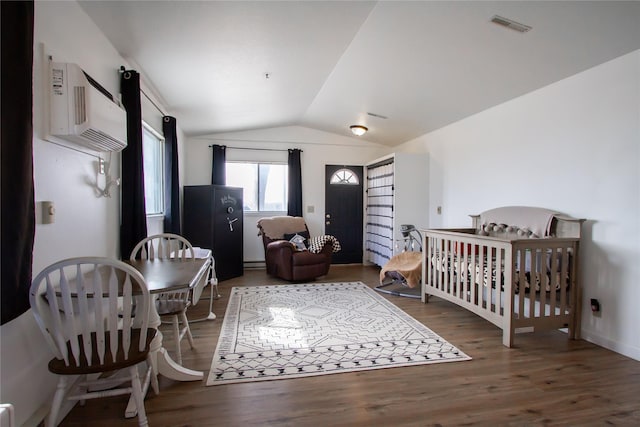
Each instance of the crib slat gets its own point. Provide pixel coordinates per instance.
(554, 285)
(458, 255)
(479, 268)
(576, 293)
(471, 275)
(507, 313)
(463, 264)
(545, 281)
(479, 277)
(439, 257)
(563, 285)
(533, 258)
(487, 280)
(453, 276)
(499, 281)
(447, 270)
(427, 267)
(437, 251)
(522, 280)
(441, 271)
(437, 271)
(553, 294)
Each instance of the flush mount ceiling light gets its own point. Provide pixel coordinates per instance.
(358, 130)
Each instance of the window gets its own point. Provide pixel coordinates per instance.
(344, 177)
(264, 184)
(152, 154)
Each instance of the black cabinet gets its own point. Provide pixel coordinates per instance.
(212, 219)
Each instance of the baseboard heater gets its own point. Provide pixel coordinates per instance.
(254, 265)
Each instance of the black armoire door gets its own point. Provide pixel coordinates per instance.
(213, 219)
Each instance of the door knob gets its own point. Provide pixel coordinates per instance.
(328, 216)
(328, 222)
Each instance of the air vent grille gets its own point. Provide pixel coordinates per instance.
(509, 23)
(81, 106)
(104, 142)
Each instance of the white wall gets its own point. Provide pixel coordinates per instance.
(85, 223)
(318, 149)
(571, 146)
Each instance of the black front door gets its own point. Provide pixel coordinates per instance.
(343, 211)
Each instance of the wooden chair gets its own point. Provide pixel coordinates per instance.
(172, 304)
(94, 314)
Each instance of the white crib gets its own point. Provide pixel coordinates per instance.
(517, 267)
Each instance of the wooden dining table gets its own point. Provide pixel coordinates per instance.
(164, 275)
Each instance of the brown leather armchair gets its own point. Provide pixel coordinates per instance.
(283, 259)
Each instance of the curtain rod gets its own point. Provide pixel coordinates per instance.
(122, 70)
(258, 149)
(381, 163)
(152, 103)
(269, 141)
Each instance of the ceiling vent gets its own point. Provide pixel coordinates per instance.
(506, 22)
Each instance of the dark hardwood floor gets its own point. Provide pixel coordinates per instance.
(545, 380)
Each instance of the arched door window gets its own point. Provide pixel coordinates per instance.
(344, 177)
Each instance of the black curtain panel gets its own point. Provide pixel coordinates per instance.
(294, 203)
(133, 226)
(218, 168)
(17, 198)
(171, 179)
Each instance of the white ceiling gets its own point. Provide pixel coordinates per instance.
(422, 64)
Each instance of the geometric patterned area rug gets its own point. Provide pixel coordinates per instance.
(291, 331)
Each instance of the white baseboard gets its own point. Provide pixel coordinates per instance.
(609, 344)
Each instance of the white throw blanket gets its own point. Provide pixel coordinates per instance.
(276, 227)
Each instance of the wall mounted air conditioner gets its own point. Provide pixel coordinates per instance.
(83, 112)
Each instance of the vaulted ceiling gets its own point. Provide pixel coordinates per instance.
(229, 66)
